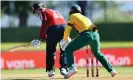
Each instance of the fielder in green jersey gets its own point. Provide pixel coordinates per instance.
(88, 35)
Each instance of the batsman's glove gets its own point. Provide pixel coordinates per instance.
(36, 43)
(43, 38)
(63, 43)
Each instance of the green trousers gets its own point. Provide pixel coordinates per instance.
(87, 38)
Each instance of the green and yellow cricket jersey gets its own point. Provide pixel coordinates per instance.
(79, 21)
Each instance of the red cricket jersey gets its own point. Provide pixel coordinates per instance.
(50, 17)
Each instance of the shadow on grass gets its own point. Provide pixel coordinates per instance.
(36, 78)
(18, 79)
(23, 79)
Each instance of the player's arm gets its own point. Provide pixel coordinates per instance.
(69, 27)
(66, 40)
(93, 27)
(67, 31)
(36, 42)
(43, 30)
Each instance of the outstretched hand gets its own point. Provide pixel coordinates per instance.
(64, 43)
(36, 43)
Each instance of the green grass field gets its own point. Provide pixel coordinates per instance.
(6, 46)
(124, 73)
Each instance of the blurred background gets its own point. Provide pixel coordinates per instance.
(19, 13)
(114, 20)
(111, 17)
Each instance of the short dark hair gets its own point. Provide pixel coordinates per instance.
(37, 5)
(76, 9)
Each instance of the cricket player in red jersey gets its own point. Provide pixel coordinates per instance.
(53, 26)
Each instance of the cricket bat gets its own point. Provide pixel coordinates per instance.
(19, 47)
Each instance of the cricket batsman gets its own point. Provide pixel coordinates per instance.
(52, 29)
(88, 35)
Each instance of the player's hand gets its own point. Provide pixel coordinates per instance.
(36, 43)
(64, 43)
(43, 38)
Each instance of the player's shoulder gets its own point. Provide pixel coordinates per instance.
(90, 22)
(46, 10)
(73, 15)
(76, 15)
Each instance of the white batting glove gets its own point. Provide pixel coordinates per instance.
(36, 43)
(64, 43)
